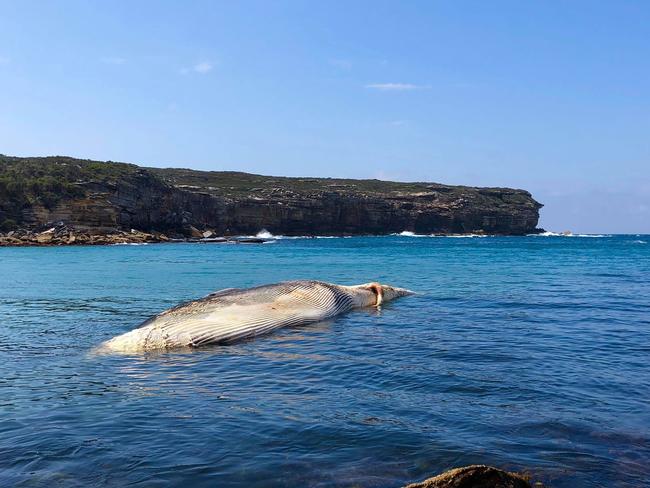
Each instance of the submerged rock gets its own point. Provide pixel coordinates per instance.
(250, 240)
(475, 476)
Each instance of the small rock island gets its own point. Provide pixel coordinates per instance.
(61, 200)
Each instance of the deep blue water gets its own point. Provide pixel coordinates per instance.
(529, 353)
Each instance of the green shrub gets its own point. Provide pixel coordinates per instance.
(8, 225)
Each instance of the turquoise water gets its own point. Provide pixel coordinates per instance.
(529, 353)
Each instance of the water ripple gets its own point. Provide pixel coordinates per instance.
(528, 353)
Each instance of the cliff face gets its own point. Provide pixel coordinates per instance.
(105, 196)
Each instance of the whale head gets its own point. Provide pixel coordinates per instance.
(374, 294)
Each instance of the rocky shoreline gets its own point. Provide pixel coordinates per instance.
(60, 234)
(63, 235)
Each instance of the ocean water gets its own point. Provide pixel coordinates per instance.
(528, 353)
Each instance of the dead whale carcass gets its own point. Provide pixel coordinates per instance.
(233, 314)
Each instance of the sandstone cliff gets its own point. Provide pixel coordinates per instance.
(108, 196)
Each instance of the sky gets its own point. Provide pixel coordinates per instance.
(552, 97)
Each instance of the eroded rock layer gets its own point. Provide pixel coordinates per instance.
(108, 196)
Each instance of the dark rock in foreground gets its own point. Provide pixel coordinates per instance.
(476, 476)
(107, 197)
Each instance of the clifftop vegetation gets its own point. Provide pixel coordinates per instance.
(83, 192)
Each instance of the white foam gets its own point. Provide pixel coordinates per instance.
(265, 234)
(463, 236)
(561, 234)
(408, 233)
(546, 234)
(639, 242)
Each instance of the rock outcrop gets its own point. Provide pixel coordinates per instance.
(63, 235)
(104, 197)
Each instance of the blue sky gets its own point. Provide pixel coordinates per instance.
(553, 97)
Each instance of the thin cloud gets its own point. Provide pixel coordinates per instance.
(4, 60)
(395, 86)
(114, 60)
(203, 67)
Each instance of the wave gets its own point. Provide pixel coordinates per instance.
(566, 234)
(130, 244)
(546, 234)
(265, 234)
(323, 237)
(639, 242)
(408, 233)
(462, 236)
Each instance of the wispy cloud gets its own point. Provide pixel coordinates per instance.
(203, 67)
(115, 60)
(4, 60)
(341, 63)
(398, 123)
(395, 86)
